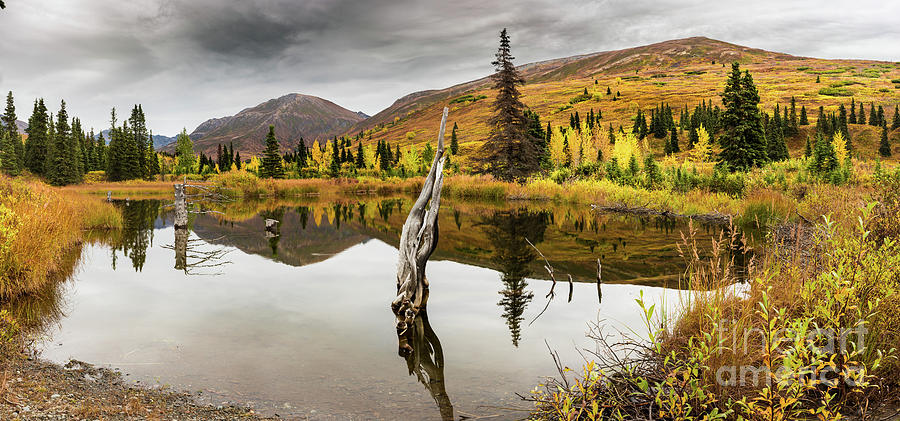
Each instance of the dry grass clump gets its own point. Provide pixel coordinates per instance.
(812, 334)
(38, 225)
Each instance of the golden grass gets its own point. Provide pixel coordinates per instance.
(39, 225)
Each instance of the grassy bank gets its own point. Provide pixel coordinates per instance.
(813, 335)
(785, 190)
(38, 225)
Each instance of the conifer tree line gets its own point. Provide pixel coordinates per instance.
(60, 149)
(130, 154)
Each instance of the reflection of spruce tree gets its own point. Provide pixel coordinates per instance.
(304, 215)
(361, 213)
(508, 231)
(138, 219)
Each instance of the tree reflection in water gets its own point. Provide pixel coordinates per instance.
(421, 348)
(138, 220)
(508, 231)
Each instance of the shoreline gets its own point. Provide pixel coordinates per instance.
(40, 389)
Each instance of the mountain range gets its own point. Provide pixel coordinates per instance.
(681, 73)
(294, 116)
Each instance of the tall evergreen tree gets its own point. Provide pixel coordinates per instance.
(137, 138)
(873, 116)
(16, 152)
(744, 142)
(861, 117)
(270, 167)
(75, 141)
(884, 147)
(360, 156)
(9, 162)
(454, 142)
(9, 117)
(803, 119)
(673, 141)
(62, 168)
(896, 124)
(509, 153)
(852, 111)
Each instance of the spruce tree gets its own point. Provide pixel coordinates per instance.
(454, 142)
(673, 141)
(9, 117)
(62, 167)
(9, 162)
(852, 111)
(360, 155)
(75, 141)
(873, 116)
(37, 144)
(884, 147)
(803, 119)
(270, 167)
(896, 124)
(237, 160)
(808, 152)
(16, 152)
(509, 153)
(861, 117)
(744, 142)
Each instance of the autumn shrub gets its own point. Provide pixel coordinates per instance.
(38, 225)
(811, 334)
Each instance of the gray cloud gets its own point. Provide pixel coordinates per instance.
(188, 60)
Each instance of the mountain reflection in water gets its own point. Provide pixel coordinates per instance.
(295, 315)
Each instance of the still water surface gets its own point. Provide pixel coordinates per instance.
(296, 321)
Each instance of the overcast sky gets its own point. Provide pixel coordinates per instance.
(190, 60)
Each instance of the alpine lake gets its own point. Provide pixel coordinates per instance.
(294, 319)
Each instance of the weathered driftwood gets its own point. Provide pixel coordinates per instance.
(418, 240)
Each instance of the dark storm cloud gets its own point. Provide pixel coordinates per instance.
(188, 60)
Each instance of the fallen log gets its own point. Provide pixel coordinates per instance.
(418, 240)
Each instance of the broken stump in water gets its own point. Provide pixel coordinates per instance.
(418, 240)
(181, 219)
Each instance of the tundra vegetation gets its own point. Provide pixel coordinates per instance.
(815, 165)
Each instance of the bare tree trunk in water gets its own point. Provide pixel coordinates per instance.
(418, 240)
(181, 218)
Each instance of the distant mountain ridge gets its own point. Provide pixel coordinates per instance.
(294, 116)
(20, 126)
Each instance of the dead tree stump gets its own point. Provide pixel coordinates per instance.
(181, 218)
(418, 240)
